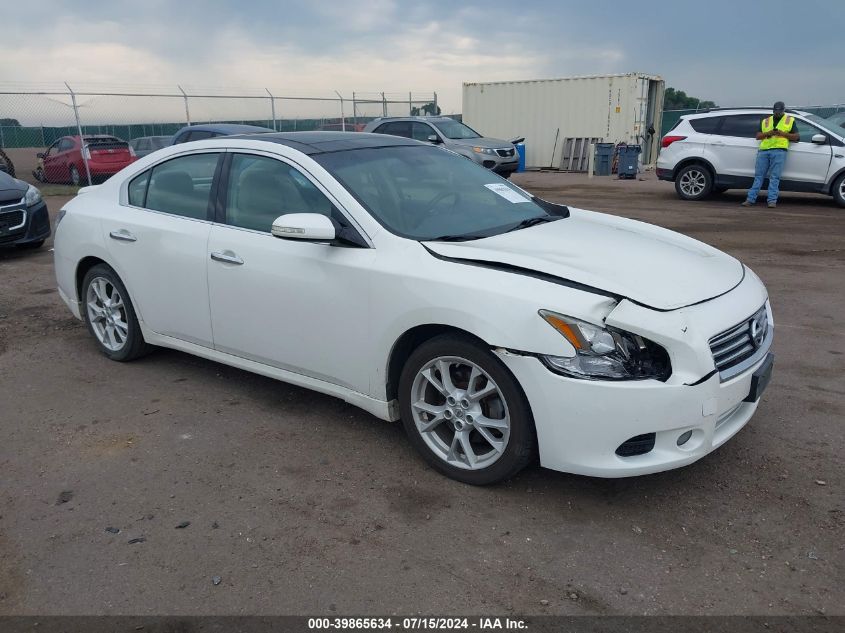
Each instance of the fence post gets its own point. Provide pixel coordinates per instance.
(435, 103)
(272, 107)
(410, 104)
(187, 111)
(79, 129)
(342, 117)
(354, 111)
(383, 105)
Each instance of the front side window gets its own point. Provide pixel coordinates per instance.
(805, 131)
(454, 130)
(427, 193)
(261, 189)
(421, 131)
(182, 186)
(65, 144)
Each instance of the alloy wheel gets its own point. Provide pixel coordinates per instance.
(460, 412)
(693, 183)
(107, 314)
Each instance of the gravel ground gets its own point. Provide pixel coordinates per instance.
(300, 503)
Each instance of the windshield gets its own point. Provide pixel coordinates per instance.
(452, 129)
(428, 193)
(826, 125)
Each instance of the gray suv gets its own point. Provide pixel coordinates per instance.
(493, 153)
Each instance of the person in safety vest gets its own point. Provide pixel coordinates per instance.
(775, 134)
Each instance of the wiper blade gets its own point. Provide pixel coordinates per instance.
(456, 238)
(533, 222)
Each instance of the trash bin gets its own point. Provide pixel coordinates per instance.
(604, 157)
(628, 160)
(520, 149)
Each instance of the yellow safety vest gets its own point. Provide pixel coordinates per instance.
(776, 142)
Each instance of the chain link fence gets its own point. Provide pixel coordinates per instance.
(31, 121)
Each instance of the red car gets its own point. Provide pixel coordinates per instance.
(63, 160)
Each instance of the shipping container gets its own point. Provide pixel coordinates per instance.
(552, 113)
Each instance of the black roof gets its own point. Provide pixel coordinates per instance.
(226, 128)
(323, 142)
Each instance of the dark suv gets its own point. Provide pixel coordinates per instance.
(200, 132)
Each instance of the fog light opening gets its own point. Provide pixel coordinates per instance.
(683, 438)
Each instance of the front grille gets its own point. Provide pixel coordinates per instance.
(736, 344)
(505, 152)
(10, 220)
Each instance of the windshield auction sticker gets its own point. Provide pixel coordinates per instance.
(506, 192)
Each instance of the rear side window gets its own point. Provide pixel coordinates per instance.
(707, 125)
(742, 125)
(138, 189)
(396, 128)
(182, 186)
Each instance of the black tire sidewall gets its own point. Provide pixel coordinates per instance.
(708, 188)
(837, 187)
(521, 446)
(135, 344)
(78, 179)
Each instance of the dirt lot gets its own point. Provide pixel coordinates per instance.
(303, 504)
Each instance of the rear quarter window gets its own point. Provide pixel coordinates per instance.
(707, 125)
(741, 125)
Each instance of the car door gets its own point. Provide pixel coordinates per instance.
(298, 306)
(807, 162)
(158, 241)
(735, 144)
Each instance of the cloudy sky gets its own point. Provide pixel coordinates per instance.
(733, 52)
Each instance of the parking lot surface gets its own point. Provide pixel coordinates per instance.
(299, 503)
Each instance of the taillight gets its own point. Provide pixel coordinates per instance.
(668, 140)
(86, 152)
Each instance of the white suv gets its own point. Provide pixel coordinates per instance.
(716, 150)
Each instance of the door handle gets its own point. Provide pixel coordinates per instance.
(123, 236)
(228, 257)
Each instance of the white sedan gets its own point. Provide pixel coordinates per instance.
(419, 286)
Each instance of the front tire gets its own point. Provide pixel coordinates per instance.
(110, 316)
(465, 412)
(693, 182)
(75, 178)
(839, 191)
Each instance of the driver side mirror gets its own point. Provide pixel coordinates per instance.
(433, 138)
(819, 139)
(304, 226)
(41, 155)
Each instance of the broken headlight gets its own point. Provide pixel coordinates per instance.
(605, 353)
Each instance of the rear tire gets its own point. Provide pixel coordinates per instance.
(475, 425)
(838, 191)
(110, 316)
(693, 182)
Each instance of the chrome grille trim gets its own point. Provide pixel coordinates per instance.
(23, 218)
(734, 350)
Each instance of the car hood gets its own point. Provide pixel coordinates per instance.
(492, 143)
(653, 266)
(11, 189)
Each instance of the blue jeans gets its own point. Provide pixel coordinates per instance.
(769, 162)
